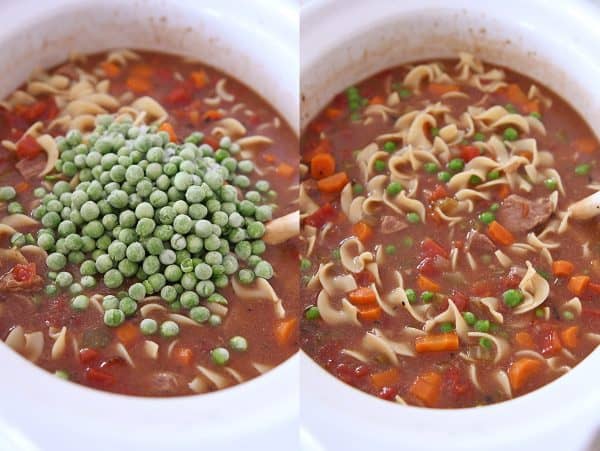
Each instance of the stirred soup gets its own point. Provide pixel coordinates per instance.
(449, 259)
(146, 217)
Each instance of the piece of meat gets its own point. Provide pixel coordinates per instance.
(165, 383)
(477, 241)
(520, 215)
(31, 168)
(392, 224)
(21, 278)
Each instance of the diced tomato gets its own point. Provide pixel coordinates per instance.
(482, 288)
(179, 95)
(467, 153)
(24, 273)
(113, 361)
(387, 393)
(323, 215)
(28, 148)
(211, 141)
(34, 111)
(512, 280)
(345, 372)
(429, 248)
(550, 344)
(455, 382)
(460, 300)
(439, 192)
(593, 288)
(98, 376)
(163, 74)
(88, 355)
(427, 267)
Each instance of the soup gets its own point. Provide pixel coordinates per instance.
(443, 264)
(147, 214)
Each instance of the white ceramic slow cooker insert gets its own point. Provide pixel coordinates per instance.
(256, 45)
(553, 42)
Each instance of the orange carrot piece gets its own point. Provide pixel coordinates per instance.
(499, 234)
(385, 378)
(437, 342)
(269, 158)
(532, 106)
(111, 70)
(183, 356)
(377, 100)
(362, 295)
(284, 331)
(194, 116)
(322, 165)
(362, 231)
(199, 78)
(22, 187)
(142, 71)
(212, 115)
(426, 284)
(324, 146)
(562, 268)
(522, 370)
(569, 336)
(585, 145)
(578, 284)
(427, 388)
(138, 85)
(523, 340)
(166, 127)
(127, 333)
(516, 95)
(369, 313)
(333, 184)
(503, 191)
(439, 89)
(285, 170)
(333, 113)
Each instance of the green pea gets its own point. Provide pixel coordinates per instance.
(551, 184)
(220, 356)
(114, 317)
(510, 134)
(444, 176)
(413, 218)
(394, 188)
(456, 164)
(80, 302)
(169, 329)
(513, 297)
(583, 169)
(482, 325)
(148, 326)
(427, 296)
(200, 314)
(380, 165)
(411, 295)
(469, 318)
(487, 217)
(312, 313)
(446, 327)
(238, 343)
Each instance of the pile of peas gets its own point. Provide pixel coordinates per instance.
(167, 216)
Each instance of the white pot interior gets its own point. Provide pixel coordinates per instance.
(553, 43)
(39, 411)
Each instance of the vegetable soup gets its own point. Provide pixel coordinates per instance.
(448, 260)
(147, 214)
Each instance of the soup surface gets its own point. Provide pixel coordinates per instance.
(141, 251)
(442, 265)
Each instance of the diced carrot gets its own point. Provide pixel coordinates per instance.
(322, 165)
(142, 71)
(333, 113)
(585, 145)
(22, 187)
(503, 191)
(516, 95)
(437, 342)
(369, 313)
(139, 85)
(522, 370)
(194, 116)
(284, 331)
(377, 100)
(362, 231)
(362, 295)
(212, 115)
(166, 127)
(324, 146)
(578, 284)
(127, 333)
(562, 268)
(111, 70)
(532, 106)
(440, 89)
(285, 170)
(550, 343)
(333, 184)
(183, 356)
(269, 158)
(427, 388)
(385, 378)
(569, 336)
(526, 154)
(467, 153)
(199, 78)
(426, 284)
(499, 234)
(439, 192)
(523, 340)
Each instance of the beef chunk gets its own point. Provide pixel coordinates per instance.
(520, 215)
(391, 224)
(477, 241)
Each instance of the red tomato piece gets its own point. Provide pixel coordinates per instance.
(88, 355)
(427, 267)
(460, 300)
(387, 393)
(98, 376)
(28, 148)
(24, 273)
(550, 343)
(430, 248)
(439, 192)
(324, 214)
(364, 279)
(179, 95)
(112, 361)
(456, 382)
(467, 153)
